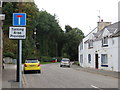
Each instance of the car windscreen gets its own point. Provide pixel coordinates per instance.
(31, 61)
(65, 60)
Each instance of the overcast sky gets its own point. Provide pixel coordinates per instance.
(81, 13)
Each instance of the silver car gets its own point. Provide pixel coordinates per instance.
(65, 62)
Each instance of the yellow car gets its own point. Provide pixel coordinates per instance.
(32, 65)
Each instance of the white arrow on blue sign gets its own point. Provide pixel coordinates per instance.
(19, 19)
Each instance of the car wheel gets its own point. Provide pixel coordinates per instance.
(24, 72)
(39, 71)
(60, 65)
(69, 66)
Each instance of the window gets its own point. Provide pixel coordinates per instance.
(89, 58)
(90, 44)
(81, 46)
(104, 60)
(81, 58)
(105, 41)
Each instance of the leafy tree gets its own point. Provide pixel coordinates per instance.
(73, 38)
(68, 28)
(48, 31)
(50, 40)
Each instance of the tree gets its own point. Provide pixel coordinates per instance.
(68, 28)
(48, 32)
(73, 38)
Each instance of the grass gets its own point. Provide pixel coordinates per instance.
(47, 62)
(76, 63)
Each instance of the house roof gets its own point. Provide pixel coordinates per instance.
(111, 28)
(117, 34)
(114, 30)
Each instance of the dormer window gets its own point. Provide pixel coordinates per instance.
(105, 41)
(90, 44)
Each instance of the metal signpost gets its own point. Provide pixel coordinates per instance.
(19, 33)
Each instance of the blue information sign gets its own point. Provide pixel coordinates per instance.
(19, 19)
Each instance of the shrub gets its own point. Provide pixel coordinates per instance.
(45, 59)
(9, 54)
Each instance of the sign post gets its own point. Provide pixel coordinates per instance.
(19, 33)
(20, 62)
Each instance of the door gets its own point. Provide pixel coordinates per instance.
(96, 61)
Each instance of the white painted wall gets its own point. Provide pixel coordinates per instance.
(113, 52)
(119, 53)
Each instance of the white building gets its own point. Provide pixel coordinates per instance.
(100, 49)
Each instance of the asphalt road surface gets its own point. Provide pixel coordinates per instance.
(54, 76)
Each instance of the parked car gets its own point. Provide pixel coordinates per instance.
(32, 65)
(65, 62)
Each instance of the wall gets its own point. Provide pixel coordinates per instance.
(119, 53)
(111, 51)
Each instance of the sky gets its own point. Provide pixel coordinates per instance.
(82, 14)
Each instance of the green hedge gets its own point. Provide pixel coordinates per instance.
(9, 54)
(45, 59)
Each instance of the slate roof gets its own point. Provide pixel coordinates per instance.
(117, 34)
(111, 28)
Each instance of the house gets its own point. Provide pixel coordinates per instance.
(100, 48)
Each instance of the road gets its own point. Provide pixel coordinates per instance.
(54, 76)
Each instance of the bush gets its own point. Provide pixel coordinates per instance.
(45, 59)
(76, 63)
(9, 54)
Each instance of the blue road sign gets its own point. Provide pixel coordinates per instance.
(19, 19)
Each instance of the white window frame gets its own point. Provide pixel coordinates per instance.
(81, 46)
(104, 59)
(105, 41)
(81, 58)
(89, 58)
(90, 44)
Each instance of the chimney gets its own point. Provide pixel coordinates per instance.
(102, 24)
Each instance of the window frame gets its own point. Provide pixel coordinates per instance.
(89, 58)
(104, 60)
(81, 46)
(105, 41)
(90, 44)
(81, 58)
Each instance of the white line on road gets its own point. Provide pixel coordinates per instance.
(94, 86)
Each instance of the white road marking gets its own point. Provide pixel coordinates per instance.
(94, 86)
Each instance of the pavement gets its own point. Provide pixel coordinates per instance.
(98, 71)
(9, 75)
